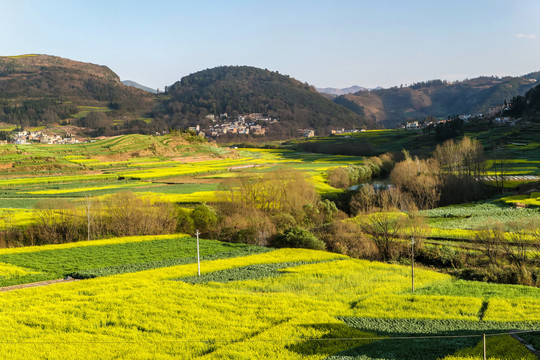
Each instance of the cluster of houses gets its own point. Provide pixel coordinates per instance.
(307, 132)
(345, 131)
(254, 124)
(505, 121)
(25, 137)
(415, 124)
(495, 113)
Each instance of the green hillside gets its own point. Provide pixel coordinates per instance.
(41, 89)
(436, 98)
(243, 89)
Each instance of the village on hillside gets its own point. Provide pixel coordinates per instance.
(494, 114)
(25, 137)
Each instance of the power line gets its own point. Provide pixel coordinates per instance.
(278, 340)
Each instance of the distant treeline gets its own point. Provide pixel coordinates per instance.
(527, 106)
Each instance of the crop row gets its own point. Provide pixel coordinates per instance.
(115, 257)
(414, 339)
(473, 216)
(146, 315)
(250, 272)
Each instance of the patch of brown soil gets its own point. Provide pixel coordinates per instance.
(36, 284)
(529, 188)
(188, 180)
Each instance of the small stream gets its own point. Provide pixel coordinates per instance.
(377, 183)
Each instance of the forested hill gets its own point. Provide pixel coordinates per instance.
(43, 89)
(390, 107)
(526, 106)
(242, 89)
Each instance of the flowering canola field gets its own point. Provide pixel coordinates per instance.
(298, 314)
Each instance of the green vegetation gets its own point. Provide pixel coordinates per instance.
(104, 260)
(251, 272)
(426, 348)
(474, 216)
(368, 143)
(243, 89)
(287, 304)
(436, 98)
(41, 90)
(481, 290)
(298, 238)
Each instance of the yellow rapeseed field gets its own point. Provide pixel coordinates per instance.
(152, 315)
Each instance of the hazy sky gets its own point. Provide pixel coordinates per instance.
(325, 43)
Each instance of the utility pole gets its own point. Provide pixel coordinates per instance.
(412, 262)
(88, 215)
(198, 257)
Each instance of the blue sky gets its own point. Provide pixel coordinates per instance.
(323, 43)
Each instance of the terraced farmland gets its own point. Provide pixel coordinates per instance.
(281, 304)
(168, 168)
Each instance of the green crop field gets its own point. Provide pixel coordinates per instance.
(474, 216)
(274, 304)
(112, 257)
(140, 297)
(164, 166)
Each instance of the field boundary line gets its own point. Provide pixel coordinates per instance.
(223, 340)
(526, 344)
(36, 284)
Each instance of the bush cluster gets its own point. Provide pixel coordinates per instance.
(122, 214)
(376, 166)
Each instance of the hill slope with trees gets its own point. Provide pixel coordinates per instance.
(243, 89)
(526, 106)
(41, 89)
(390, 107)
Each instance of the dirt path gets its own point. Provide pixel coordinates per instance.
(527, 345)
(36, 284)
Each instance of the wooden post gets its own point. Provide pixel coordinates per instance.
(88, 215)
(484, 337)
(198, 257)
(412, 262)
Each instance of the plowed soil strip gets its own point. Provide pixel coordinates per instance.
(36, 284)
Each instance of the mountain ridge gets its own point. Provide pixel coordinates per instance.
(139, 86)
(438, 98)
(37, 90)
(342, 91)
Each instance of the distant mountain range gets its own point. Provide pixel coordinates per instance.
(390, 107)
(338, 92)
(38, 90)
(139, 86)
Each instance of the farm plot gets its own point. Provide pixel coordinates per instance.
(474, 216)
(125, 164)
(107, 257)
(318, 307)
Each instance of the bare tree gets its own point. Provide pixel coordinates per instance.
(491, 242)
(420, 178)
(385, 229)
(58, 222)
